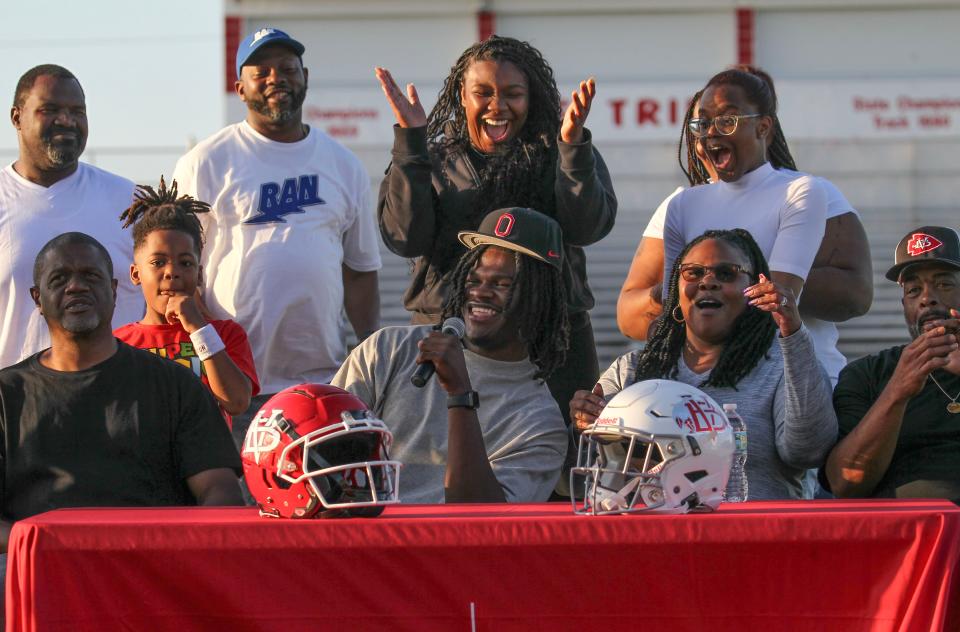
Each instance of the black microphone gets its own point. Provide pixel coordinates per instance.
(452, 326)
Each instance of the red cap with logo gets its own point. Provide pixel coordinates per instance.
(936, 244)
(522, 230)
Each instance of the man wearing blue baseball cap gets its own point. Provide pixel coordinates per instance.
(291, 238)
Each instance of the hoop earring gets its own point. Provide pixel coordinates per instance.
(673, 315)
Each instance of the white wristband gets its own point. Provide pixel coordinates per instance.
(206, 342)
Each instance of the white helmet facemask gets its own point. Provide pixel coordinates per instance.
(658, 446)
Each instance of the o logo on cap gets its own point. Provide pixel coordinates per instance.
(504, 225)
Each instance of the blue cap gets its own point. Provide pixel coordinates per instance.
(262, 37)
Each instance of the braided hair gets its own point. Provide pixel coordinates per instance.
(748, 342)
(759, 88)
(537, 302)
(778, 152)
(514, 176)
(693, 167)
(161, 209)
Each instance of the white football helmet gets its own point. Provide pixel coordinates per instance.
(658, 446)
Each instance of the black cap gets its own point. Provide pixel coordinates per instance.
(936, 244)
(523, 230)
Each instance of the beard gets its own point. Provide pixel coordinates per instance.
(280, 113)
(80, 324)
(62, 153)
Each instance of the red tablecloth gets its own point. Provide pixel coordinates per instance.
(821, 565)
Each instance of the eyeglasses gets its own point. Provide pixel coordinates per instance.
(725, 125)
(722, 272)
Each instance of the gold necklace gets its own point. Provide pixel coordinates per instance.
(953, 407)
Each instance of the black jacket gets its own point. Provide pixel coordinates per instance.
(423, 195)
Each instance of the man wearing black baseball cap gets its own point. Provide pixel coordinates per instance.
(485, 428)
(899, 410)
(291, 237)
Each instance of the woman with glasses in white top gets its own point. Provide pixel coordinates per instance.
(803, 224)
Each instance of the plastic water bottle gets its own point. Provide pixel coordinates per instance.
(736, 491)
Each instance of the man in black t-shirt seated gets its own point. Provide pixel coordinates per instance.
(94, 422)
(898, 410)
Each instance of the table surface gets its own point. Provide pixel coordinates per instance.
(805, 565)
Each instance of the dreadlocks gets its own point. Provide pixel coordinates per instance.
(515, 175)
(778, 152)
(537, 301)
(758, 86)
(161, 209)
(694, 170)
(752, 333)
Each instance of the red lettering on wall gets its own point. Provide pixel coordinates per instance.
(647, 111)
(617, 105)
(899, 122)
(935, 121)
(861, 104)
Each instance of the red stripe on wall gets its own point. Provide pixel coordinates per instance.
(746, 21)
(232, 36)
(486, 24)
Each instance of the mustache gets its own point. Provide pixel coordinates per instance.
(58, 129)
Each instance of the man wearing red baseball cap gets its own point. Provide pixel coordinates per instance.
(898, 410)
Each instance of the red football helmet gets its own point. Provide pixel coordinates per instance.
(315, 448)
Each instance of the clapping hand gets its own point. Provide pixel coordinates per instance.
(571, 129)
(406, 107)
(777, 299)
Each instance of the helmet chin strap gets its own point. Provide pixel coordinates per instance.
(617, 501)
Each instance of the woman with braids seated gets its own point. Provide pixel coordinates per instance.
(167, 240)
(721, 315)
(839, 284)
(496, 138)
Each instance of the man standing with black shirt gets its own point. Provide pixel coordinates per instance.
(94, 422)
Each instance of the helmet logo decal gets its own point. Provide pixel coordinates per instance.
(921, 242)
(698, 415)
(263, 435)
(504, 225)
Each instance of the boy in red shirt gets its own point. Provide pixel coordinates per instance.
(167, 240)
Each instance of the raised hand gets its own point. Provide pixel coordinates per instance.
(406, 107)
(777, 299)
(571, 129)
(586, 406)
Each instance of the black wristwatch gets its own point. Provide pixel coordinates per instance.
(470, 400)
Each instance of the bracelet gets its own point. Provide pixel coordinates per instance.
(206, 342)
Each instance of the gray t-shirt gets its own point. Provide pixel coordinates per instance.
(523, 430)
(785, 402)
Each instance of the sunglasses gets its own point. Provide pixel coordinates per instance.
(725, 125)
(722, 272)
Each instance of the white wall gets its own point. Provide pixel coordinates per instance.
(635, 47)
